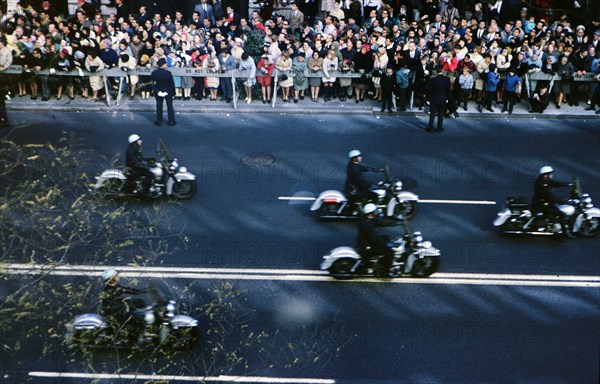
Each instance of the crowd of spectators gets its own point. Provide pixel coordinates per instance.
(363, 37)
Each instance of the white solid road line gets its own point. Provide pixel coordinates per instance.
(302, 275)
(474, 202)
(425, 201)
(197, 379)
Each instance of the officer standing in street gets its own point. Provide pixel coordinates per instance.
(438, 89)
(164, 89)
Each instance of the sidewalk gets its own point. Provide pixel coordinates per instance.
(306, 106)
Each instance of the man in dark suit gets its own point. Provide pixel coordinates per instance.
(164, 89)
(205, 11)
(438, 89)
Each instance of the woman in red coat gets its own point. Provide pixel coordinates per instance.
(265, 67)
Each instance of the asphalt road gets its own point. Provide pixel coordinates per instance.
(390, 333)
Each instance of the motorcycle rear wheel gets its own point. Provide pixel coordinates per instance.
(329, 209)
(342, 268)
(405, 210)
(590, 227)
(111, 187)
(425, 267)
(184, 189)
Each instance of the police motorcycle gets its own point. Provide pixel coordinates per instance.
(582, 217)
(169, 179)
(413, 256)
(159, 326)
(393, 201)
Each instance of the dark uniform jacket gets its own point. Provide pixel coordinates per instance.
(438, 89)
(543, 194)
(355, 178)
(113, 302)
(162, 81)
(368, 236)
(134, 158)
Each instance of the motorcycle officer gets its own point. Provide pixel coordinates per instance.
(368, 237)
(113, 302)
(545, 201)
(137, 164)
(356, 183)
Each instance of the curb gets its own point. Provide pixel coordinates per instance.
(331, 108)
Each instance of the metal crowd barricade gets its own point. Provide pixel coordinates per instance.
(239, 74)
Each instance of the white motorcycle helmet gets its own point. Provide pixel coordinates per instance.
(108, 275)
(354, 153)
(133, 138)
(370, 208)
(546, 169)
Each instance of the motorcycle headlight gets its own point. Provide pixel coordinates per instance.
(398, 186)
(417, 236)
(182, 169)
(425, 244)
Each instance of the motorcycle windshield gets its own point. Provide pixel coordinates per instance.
(162, 151)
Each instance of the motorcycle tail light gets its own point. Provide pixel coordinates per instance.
(330, 201)
(149, 318)
(171, 309)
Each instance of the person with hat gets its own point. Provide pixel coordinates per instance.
(540, 100)
(136, 165)
(145, 81)
(113, 302)
(545, 201)
(438, 91)
(64, 63)
(357, 186)
(163, 86)
(369, 238)
(265, 67)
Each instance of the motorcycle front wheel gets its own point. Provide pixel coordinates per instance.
(590, 227)
(425, 267)
(184, 338)
(405, 210)
(184, 189)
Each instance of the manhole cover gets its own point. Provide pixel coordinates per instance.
(257, 160)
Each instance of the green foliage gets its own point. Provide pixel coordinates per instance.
(254, 44)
